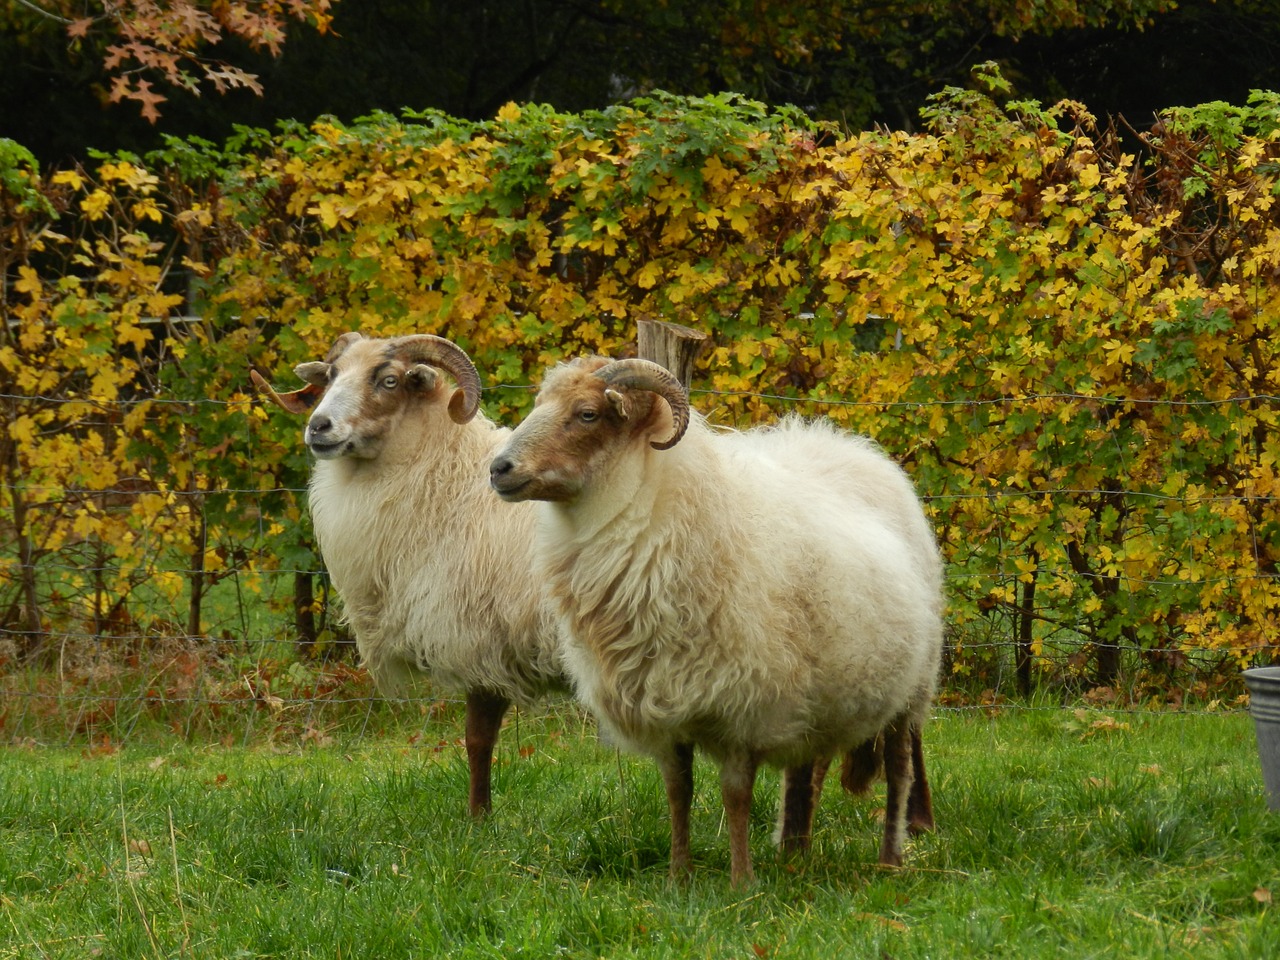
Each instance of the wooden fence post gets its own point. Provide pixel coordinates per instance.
(672, 345)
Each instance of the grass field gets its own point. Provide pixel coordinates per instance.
(1062, 834)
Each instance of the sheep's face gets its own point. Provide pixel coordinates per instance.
(579, 426)
(366, 391)
(364, 387)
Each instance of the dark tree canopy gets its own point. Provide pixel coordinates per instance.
(859, 62)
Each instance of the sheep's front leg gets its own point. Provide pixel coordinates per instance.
(677, 774)
(898, 777)
(484, 719)
(737, 780)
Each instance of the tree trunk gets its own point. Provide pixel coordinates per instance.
(30, 637)
(197, 576)
(1106, 589)
(304, 617)
(342, 643)
(1108, 659)
(1026, 621)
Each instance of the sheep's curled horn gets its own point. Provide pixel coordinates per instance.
(647, 375)
(451, 358)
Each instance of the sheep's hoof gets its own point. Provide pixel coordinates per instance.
(915, 827)
(792, 848)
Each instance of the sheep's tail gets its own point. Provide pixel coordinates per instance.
(862, 765)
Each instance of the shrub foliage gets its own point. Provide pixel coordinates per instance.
(1065, 332)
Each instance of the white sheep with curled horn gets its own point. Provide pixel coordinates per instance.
(771, 596)
(434, 574)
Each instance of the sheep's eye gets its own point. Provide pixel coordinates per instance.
(587, 416)
(390, 382)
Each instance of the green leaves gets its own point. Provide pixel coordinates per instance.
(1069, 349)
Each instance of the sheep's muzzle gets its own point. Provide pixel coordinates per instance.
(506, 481)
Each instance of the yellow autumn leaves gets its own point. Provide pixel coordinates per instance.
(1067, 344)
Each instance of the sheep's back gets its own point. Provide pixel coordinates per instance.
(767, 600)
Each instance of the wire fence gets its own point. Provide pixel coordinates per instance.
(131, 669)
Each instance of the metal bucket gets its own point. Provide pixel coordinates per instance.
(1264, 707)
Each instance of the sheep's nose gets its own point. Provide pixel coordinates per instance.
(507, 479)
(500, 467)
(319, 425)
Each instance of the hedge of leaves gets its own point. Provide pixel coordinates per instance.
(1066, 336)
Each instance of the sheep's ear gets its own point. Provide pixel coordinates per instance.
(422, 377)
(619, 403)
(315, 373)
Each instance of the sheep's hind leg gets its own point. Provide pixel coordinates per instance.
(677, 775)
(737, 780)
(484, 719)
(801, 788)
(920, 800)
(898, 777)
(862, 765)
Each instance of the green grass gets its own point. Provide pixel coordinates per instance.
(1061, 835)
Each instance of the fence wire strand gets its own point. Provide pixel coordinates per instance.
(254, 642)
